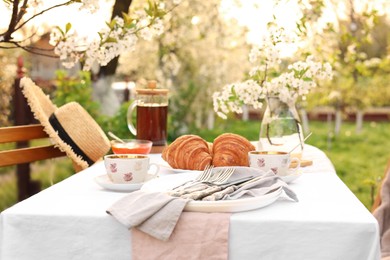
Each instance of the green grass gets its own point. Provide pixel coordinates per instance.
(46, 172)
(359, 159)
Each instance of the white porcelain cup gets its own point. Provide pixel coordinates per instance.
(129, 168)
(276, 161)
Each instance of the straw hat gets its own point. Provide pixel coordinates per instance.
(70, 126)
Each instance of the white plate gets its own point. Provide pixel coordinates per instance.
(234, 205)
(291, 177)
(106, 183)
(170, 181)
(169, 169)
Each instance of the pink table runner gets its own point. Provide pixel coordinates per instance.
(196, 236)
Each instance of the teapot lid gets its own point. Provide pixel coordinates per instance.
(152, 89)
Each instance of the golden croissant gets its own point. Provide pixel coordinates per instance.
(188, 152)
(191, 152)
(231, 150)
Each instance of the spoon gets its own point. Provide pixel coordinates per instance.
(115, 137)
(299, 143)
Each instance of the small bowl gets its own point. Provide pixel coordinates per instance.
(131, 146)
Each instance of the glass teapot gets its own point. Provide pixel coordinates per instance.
(151, 105)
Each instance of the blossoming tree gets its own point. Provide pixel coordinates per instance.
(354, 41)
(120, 34)
(200, 50)
(267, 77)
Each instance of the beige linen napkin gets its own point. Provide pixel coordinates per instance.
(154, 213)
(266, 183)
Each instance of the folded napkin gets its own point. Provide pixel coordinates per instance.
(266, 183)
(154, 213)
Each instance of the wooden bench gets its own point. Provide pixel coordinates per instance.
(22, 154)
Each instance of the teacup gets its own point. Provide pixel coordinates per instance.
(276, 161)
(129, 168)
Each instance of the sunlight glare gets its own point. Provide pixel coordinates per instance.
(256, 14)
(83, 22)
(195, 20)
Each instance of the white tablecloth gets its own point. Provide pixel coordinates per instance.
(69, 221)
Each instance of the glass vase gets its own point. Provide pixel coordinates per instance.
(281, 129)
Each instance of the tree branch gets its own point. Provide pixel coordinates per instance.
(35, 50)
(43, 11)
(12, 23)
(22, 12)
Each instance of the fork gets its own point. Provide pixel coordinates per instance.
(203, 177)
(221, 177)
(215, 183)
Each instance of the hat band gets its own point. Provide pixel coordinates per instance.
(67, 139)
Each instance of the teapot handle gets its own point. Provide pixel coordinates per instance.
(130, 124)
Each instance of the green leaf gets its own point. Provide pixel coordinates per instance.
(126, 18)
(130, 25)
(148, 11)
(68, 27)
(234, 93)
(61, 31)
(111, 39)
(111, 24)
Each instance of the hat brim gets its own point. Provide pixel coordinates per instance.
(42, 108)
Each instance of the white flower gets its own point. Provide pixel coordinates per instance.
(299, 79)
(90, 5)
(254, 53)
(113, 40)
(146, 33)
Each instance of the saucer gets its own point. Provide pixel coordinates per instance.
(107, 184)
(291, 177)
(169, 169)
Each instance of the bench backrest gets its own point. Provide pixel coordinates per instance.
(24, 153)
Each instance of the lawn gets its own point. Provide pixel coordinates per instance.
(359, 159)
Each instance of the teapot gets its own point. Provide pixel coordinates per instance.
(151, 105)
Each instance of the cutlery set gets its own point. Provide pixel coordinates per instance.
(211, 185)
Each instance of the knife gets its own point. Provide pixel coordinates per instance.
(212, 188)
(203, 188)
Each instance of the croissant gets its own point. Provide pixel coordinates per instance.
(231, 150)
(189, 152)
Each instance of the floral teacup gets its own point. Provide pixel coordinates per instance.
(278, 162)
(129, 168)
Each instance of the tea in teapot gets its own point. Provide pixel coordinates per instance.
(152, 114)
